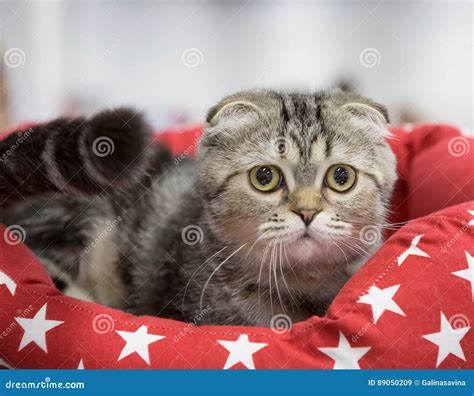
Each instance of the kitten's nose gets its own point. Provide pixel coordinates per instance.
(307, 215)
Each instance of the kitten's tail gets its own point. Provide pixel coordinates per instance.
(109, 151)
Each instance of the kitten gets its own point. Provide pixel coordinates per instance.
(268, 220)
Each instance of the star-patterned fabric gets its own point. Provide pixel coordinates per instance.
(381, 300)
(448, 339)
(241, 351)
(410, 306)
(344, 355)
(35, 329)
(138, 342)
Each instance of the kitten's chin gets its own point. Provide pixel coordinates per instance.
(313, 248)
(306, 249)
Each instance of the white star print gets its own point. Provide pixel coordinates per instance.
(138, 342)
(36, 329)
(412, 250)
(3, 363)
(81, 365)
(241, 351)
(344, 356)
(381, 300)
(471, 222)
(8, 282)
(448, 340)
(467, 273)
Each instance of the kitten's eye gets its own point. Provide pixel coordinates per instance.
(340, 177)
(266, 178)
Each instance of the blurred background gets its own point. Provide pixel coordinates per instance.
(175, 59)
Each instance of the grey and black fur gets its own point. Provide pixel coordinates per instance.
(138, 230)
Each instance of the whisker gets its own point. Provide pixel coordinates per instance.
(382, 225)
(359, 252)
(195, 273)
(260, 272)
(283, 277)
(253, 245)
(276, 281)
(270, 279)
(361, 247)
(342, 251)
(214, 272)
(288, 261)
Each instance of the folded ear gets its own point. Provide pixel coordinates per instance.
(237, 110)
(369, 116)
(369, 111)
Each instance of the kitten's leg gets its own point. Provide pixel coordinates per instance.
(58, 230)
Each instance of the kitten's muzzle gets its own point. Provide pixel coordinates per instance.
(306, 203)
(307, 215)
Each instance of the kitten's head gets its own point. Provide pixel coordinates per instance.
(307, 171)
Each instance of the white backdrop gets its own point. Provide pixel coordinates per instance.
(178, 58)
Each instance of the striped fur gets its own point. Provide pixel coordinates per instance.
(59, 156)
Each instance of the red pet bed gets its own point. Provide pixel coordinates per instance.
(410, 306)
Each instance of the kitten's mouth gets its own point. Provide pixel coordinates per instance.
(306, 236)
(303, 239)
(302, 236)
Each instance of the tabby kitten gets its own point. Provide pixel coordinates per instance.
(266, 221)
